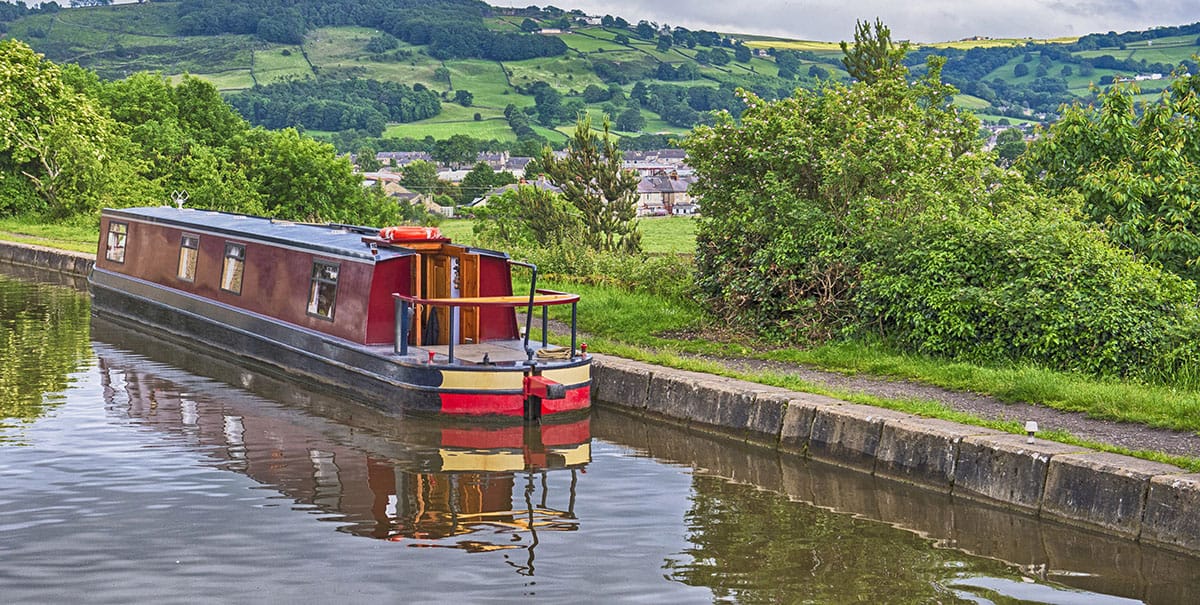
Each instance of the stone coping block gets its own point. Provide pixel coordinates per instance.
(1101, 489)
(1172, 515)
(621, 381)
(923, 450)
(49, 259)
(849, 433)
(1005, 468)
(798, 420)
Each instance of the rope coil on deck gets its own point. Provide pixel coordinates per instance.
(556, 353)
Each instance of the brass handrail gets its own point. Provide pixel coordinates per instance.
(405, 303)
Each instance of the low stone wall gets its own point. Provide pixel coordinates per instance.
(1145, 501)
(1129, 497)
(47, 259)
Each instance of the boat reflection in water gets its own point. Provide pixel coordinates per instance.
(423, 481)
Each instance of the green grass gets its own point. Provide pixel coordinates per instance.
(78, 238)
(970, 102)
(811, 45)
(668, 234)
(565, 73)
(272, 65)
(444, 127)
(229, 81)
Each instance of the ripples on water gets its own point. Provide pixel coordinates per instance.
(128, 479)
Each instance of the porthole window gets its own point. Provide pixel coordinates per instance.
(323, 293)
(231, 271)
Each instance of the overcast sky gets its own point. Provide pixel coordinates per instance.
(917, 20)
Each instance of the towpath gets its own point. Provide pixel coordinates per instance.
(1128, 435)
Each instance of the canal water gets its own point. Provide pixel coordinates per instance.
(133, 469)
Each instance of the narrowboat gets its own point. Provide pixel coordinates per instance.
(400, 317)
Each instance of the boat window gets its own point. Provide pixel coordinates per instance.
(231, 272)
(324, 289)
(189, 251)
(116, 241)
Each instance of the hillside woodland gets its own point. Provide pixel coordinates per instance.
(366, 74)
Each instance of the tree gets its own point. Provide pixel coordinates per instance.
(741, 53)
(464, 97)
(302, 179)
(664, 43)
(530, 26)
(455, 151)
(420, 176)
(817, 72)
(529, 215)
(644, 30)
(442, 73)
(477, 182)
(595, 94)
(1020, 70)
(592, 179)
(798, 191)
(1010, 144)
(631, 120)
(1137, 168)
(365, 159)
(873, 51)
(61, 143)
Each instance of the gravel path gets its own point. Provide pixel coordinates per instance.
(1128, 435)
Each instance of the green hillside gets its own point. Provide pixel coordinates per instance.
(661, 82)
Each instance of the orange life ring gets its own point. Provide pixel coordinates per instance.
(409, 233)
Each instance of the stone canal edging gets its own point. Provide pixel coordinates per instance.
(1137, 499)
(1141, 500)
(47, 259)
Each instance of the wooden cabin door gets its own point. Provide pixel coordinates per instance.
(439, 287)
(468, 286)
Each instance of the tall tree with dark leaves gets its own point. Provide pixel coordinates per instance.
(591, 177)
(873, 51)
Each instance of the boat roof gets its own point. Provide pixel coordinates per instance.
(331, 239)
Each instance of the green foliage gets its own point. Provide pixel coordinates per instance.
(57, 141)
(420, 176)
(629, 276)
(70, 144)
(794, 192)
(873, 54)
(1024, 287)
(528, 216)
(1010, 144)
(335, 104)
(1138, 171)
(591, 177)
(870, 210)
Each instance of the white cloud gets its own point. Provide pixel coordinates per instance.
(920, 20)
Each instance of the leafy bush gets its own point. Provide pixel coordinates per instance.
(1023, 287)
(667, 275)
(793, 192)
(1137, 168)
